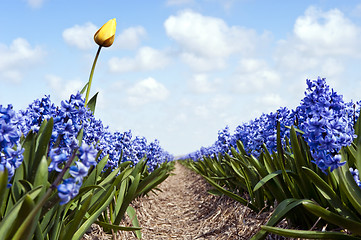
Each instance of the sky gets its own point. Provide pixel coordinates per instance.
(179, 70)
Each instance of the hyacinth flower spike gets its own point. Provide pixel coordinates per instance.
(104, 37)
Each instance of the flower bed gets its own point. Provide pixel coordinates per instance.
(305, 161)
(61, 170)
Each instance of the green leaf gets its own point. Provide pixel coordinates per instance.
(92, 103)
(26, 207)
(351, 189)
(240, 147)
(42, 147)
(120, 198)
(296, 129)
(58, 223)
(27, 228)
(109, 178)
(3, 184)
(241, 169)
(351, 225)
(299, 161)
(267, 178)
(304, 234)
(48, 220)
(10, 217)
(274, 186)
(330, 195)
(280, 213)
(130, 195)
(149, 179)
(117, 227)
(85, 226)
(282, 163)
(133, 216)
(41, 177)
(84, 88)
(153, 185)
(26, 186)
(215, 192)
(72, 226)
(232, 195)
(92, 176)
(28, 154)
(153, 179)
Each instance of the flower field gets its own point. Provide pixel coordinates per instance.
(62, 170)
(304, 162)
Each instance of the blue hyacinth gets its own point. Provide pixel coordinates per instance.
(326, 120)
(10, 149)
(69, 118)
(70, 187)
(355, 175)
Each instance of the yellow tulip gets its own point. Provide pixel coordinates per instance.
(105, 35)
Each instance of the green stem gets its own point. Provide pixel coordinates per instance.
(91, 76)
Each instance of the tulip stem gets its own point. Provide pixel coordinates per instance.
(91, 76)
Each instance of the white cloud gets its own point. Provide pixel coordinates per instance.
(61, 88)
(130, 38)
(80, 36)
(254, 75)
(35, 3)
(206, 42)
(147, 58)
(332, 67)
(208, 36)
(202, 64)
(200, 83)
(327, 33)
(18, 56)
(201, 111)
(271, 101)
(322, 44)
(292, 60)
(145, 91)
(220, 102)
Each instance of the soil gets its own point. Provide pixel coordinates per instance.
(184, 210)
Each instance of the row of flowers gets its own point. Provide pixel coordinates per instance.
(304, 163)
(325, 120)
(62, 154)
(69, 119)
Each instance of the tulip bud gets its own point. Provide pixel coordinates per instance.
(105, 35)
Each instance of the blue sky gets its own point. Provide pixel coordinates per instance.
(179, 70)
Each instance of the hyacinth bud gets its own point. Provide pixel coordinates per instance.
(105, 35)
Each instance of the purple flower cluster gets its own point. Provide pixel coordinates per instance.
(69, 119)
(156, 155)
(254, 134)
(121, 147)
(355, 175)
(263, 131)
(326, 120)
(70, 187)
(10, 149)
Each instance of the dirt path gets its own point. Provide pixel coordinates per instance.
(184, 210)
